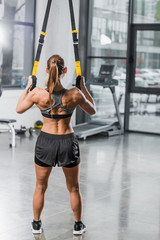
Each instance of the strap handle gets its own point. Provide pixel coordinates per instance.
(78, 80)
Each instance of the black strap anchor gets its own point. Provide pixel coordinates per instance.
(40, 45)
(75, 44)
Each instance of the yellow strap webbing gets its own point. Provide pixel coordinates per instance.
(43, 33)
(78, 68)
(35, 68)
(74, 31)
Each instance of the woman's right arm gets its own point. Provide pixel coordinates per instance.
(85, 100)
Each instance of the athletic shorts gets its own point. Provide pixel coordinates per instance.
(60, 150)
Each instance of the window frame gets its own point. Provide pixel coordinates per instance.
(25, 24)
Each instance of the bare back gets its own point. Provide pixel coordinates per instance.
(57, 126)
(68, 102)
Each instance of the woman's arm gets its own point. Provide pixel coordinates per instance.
(27, 99)
(86, 101)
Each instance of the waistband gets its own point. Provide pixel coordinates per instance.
(57, 136)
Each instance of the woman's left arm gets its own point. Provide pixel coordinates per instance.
(27, 99)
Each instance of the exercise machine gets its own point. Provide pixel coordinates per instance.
(9, 123)
(92, 127)
(105, 79)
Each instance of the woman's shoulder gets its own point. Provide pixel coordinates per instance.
(38, 90)
(38, 93)
(73, 90)
(74, 93)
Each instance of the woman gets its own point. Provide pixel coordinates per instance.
(57, 144)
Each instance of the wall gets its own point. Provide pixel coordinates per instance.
(58, 41)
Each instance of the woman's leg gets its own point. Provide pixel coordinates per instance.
(72, 182)
(42, 176)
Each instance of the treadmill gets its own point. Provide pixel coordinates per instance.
(92, 127)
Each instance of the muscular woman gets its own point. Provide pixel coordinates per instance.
(57, 145)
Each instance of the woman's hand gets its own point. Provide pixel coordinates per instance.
(82, 82)
(86, 101)
(29, 84)
(27, 99)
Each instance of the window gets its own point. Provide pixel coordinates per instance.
(108, 46)
(109, 28)
(146, 11)
(16, 41)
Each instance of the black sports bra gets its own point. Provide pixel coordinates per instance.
(57, 102)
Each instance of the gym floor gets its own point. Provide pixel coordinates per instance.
(120, 185)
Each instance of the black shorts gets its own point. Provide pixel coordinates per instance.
(60, 150)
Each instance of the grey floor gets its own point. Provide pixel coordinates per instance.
(120, 184)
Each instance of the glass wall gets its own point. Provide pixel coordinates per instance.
(145, 113)
(109, 35)
(145, 108)
(109, 28)
(147, 59)
(146, 11)
(108, 46)
(16, 41)
(144, 68)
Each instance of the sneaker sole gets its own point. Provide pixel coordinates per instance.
(36, 231)
(79, 232)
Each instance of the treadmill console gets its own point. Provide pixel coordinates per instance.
(105, 77)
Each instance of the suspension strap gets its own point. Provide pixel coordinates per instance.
(40, 45)
(75, 44)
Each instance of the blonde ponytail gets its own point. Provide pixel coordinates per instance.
(52, 80)
(55, 65)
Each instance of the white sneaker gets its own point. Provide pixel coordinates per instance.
(36, 227)
(79, 228)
